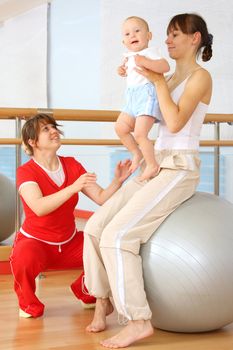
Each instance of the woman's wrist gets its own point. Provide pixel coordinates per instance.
(116, 181)
(159, 82)
(71, 189)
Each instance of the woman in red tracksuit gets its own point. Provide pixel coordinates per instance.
(48, 185)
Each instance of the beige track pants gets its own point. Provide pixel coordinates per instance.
(114, 234)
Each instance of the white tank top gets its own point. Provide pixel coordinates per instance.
(188, 137)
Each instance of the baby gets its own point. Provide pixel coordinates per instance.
(141, 108)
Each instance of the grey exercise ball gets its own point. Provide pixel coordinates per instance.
(7, 207)
(188, 266)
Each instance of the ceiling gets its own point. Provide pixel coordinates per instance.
(12, 8)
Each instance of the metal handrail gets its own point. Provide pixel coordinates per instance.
(111, 142)
(90, 115)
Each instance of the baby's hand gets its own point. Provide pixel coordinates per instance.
(122, 70)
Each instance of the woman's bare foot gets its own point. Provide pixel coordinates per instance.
(137, 157)
(135, 330)
(103, 308)
(149, 172)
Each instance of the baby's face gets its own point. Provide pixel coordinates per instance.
(135, 35)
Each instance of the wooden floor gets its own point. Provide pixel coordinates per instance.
(64, 321)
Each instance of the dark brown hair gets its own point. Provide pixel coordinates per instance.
(31, 129)
(190, 23)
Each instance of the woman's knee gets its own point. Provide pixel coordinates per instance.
(120, 238)
(109, 238)
(27, 253)
(96, 224)
(91, 227)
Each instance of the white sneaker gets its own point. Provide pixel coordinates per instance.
(84, 305)
(87, 306)
(24, 314)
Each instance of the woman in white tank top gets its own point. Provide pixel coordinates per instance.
(115, 232)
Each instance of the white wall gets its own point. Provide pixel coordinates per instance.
(75, 54)
(23, 60)
(23, 43)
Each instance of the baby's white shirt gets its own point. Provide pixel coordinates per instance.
(134, 78)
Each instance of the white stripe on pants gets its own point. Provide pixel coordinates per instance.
(115, 232)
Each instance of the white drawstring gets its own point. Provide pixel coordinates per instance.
(83, 286)
(122, 320)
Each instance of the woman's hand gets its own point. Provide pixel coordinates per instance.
(122, 170)
(84, 180)
(152, 76)
(44, 205)
(100, 195)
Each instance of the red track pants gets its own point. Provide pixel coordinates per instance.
(31, 257)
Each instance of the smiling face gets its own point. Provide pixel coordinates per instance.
(180, 44)
(186, 34)
(136, 34)
(48, 137)
(40, 132)
(176, 43)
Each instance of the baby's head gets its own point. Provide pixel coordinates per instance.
(136, 33)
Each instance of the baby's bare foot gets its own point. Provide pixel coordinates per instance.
(103, 308)
(149, 173)
(135, 162)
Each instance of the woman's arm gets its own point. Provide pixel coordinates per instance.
(43, 205)
(198, 89)
(100, 195)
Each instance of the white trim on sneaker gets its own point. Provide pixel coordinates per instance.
(24, 314)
